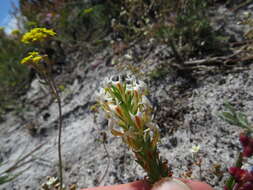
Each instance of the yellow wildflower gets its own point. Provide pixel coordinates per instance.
(32, 58)
(87, 11)
(37, 35)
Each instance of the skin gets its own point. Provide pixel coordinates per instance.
(141, 185)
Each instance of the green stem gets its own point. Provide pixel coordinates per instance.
(53, 87)
(151, 162)
(59, 133)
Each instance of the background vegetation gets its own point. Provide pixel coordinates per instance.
(182, 25)
(13, 76)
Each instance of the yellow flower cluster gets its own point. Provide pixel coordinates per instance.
(32, 58)
(87, 11)
(37, 35)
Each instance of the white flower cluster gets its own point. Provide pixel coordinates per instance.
(131, 85)
(124, 101)
(52, 183)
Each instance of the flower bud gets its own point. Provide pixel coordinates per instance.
(244, 139)
(233, 170)
(247, 151)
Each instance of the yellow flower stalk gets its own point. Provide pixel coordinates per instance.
(37, 35)
(129, 114)
(42, 65)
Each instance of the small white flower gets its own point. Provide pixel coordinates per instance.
(112, 107)
(246, 13)
(145, 101)
(195, 149)
(51, 181)
(142, 86)
(147, 20)
(113, 22)
(123, 13)
(129, 57)
(112, 123)
(151, 40)
(129, 77)
(129, 87)
(103, 96)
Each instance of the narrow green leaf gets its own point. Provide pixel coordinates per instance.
(230, 118)
(116, 93)
(242, 120)
(229, 107)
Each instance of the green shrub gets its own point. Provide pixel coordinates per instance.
(12, 74)
(74, 21)
(188, 26)
(82, 22)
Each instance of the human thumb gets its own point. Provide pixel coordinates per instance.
(180, 184)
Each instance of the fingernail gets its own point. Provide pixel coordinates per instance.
(170, 184)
